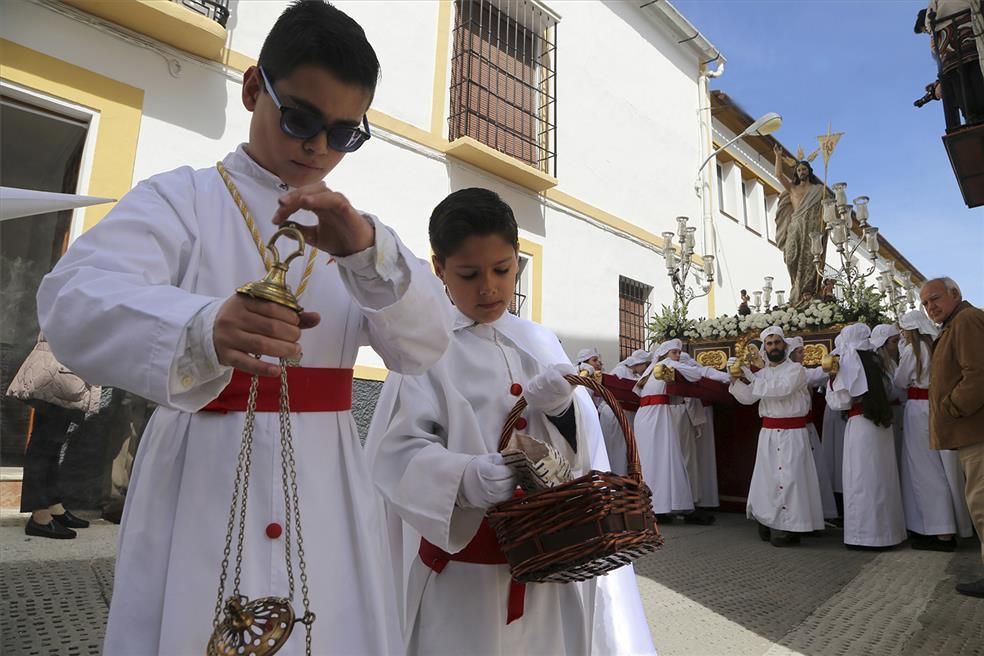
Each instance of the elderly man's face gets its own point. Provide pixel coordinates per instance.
(938, 301)
(775, 348)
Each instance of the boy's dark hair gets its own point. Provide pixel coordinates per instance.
(468, 212)
(315, 33)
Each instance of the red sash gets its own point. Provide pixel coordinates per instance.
(482, 550)
(654, 399)
(856, 409)
(785, 423)
(310, 390)
(918, 394)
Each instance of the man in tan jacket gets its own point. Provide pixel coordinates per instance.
(956, 393)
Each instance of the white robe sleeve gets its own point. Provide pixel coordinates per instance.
(113, 309)
(717, 376)
(412, 467)
(408, 317)
(906, 370)
(838, 399)
(815, 377)
(742, 393)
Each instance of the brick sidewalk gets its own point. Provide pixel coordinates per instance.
(711, 591)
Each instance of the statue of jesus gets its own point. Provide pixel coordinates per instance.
(798, 215)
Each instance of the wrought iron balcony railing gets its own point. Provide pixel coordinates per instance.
(217, 10)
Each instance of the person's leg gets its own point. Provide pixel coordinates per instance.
(972, 463)
(39, 491)
(952, 99)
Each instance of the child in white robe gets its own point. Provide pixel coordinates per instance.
(628, 369)
(433, 449)
(873, 516)
(146, 301)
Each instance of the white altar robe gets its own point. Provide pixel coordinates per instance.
(116, 310)
(872, 498)
(614, 439)
(425, 431)
(659, 431)
(932, 481)
(784, 493)
(815, 377)
(833, 446)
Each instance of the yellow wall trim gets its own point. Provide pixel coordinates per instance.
(505, 166)
(119, 106)
(365, 372)
(535, 251)
(441, 68)
(168, 22)
(407, 130)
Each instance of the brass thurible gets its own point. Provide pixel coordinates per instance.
(274, 287)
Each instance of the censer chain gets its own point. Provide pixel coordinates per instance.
(292, 506)
(240, 490)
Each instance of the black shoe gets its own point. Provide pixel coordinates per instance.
(52, 530)
(68, 520)
(113, 514)
(765, 533)
(701, 517)
(972, 589)
(930, 543)
(783, 538)
(666, 518)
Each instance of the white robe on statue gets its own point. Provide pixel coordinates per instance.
(815, 377)
(131, 305)
(872, 498)
(614, 439)
(425, 431)
(932, 481)
(658, 434)
(784, 493)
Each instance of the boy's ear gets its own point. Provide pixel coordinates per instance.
(438, 267)
(252, 84)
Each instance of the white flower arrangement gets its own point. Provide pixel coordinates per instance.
(817, 315)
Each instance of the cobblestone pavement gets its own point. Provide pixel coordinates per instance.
(710, 591)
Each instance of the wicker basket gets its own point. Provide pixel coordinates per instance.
(583, 528)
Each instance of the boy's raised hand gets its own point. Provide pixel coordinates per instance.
(246, 326)
(341, 230)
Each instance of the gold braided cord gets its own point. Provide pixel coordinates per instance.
(255, 232)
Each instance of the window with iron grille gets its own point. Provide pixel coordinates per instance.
(503, 77)
(520, 305)
(633, 312)
(217, 10)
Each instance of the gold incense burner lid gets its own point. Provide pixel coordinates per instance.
(252, 628)
(274, 286)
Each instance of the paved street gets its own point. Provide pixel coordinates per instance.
(711, 591)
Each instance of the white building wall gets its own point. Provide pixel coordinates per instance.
(627, 136)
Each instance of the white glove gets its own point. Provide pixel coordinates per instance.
(486, 481)
(731, 361)
(548, 392)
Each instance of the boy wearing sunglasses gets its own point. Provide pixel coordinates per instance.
(146, 300)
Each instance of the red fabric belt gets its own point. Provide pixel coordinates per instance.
(784, 423)
(310, 389)
(482, 550)
(855, 410)
(919, 393)
(655, 399)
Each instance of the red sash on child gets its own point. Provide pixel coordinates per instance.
(856, 409)
(918, 394)
(654, 399)
(310, 389)
(482, 550)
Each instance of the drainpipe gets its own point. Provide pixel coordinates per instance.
(704, 189)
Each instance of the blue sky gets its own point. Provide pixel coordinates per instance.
(858, 65)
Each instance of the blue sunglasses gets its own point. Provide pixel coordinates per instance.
(302, 124)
